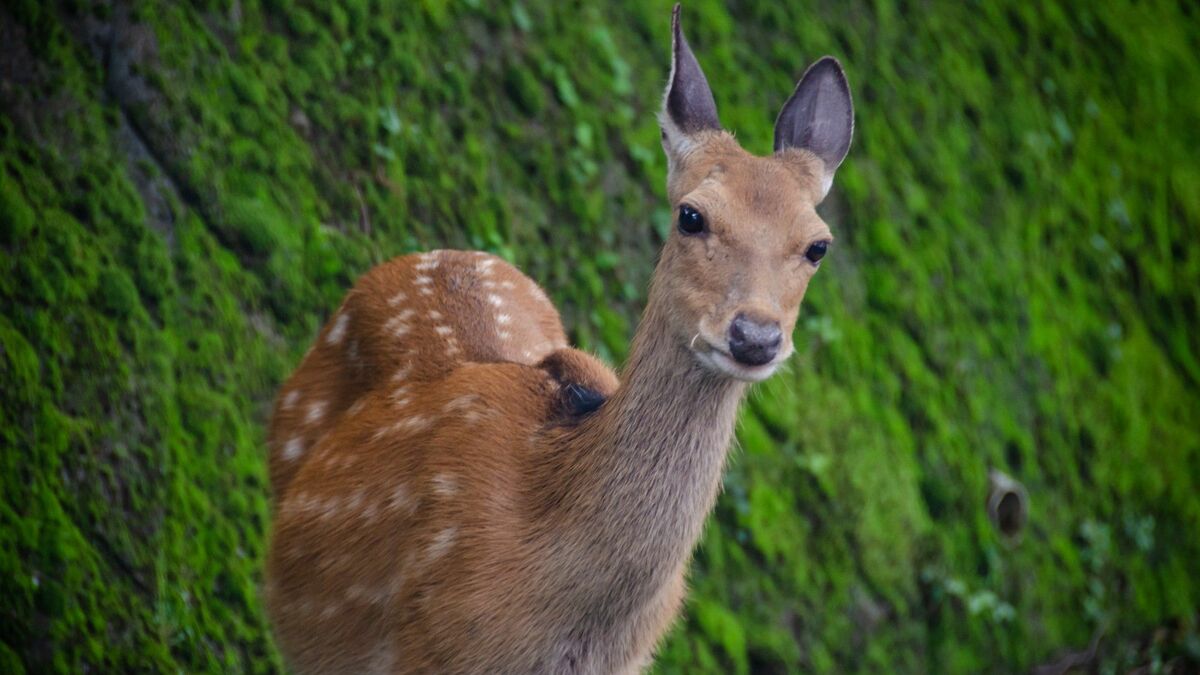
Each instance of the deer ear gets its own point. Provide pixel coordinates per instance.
(688, 105)
(819, 117)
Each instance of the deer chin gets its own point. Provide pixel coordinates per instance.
(717, 361)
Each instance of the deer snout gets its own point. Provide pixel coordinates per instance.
(753, 342)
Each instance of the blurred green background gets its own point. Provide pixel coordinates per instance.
(187, 189)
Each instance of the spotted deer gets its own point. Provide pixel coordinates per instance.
(459, 491)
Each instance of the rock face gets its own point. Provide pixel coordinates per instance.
(186, 191)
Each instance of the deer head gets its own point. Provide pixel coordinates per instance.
(747, 238)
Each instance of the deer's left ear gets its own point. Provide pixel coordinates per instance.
(688, 105)
(819, 117)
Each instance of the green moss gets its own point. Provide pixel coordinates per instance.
(16, 218)
(1013, 287)
(116, 294)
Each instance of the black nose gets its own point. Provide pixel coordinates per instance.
(753, 343)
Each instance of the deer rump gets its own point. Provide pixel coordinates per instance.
(396, 448)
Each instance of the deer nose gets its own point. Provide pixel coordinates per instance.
(753, 343)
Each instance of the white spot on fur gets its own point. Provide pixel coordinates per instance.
(368, 512)
(484, 266)
(461, 402)
(289, 400)
(329, 508)
(427, 264)
(293, 449)
(335, 461)
(405, 425)
(503, 319)
(538, 293)
(396, 584)
(400, 499)
(425, 290)
(507, 285)
(396, 299)
(443, 330)
(313, 504)
(398, 324)
(503, 334)
(495, 300)
(401, 373)
(423, 280)
(444, 485)
(383, 659)
(435, 315)
(488, 284)
(357, 407)
(316, 410)
(442, 541)
(338, 331)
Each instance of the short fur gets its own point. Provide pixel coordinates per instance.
(442, 505)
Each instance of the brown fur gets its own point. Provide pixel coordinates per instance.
(441, 507)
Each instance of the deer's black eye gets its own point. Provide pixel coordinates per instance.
(816, 251)
(690, 220)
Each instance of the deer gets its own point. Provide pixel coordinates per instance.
(457, 490)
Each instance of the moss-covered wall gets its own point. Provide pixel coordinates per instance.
(186, 190)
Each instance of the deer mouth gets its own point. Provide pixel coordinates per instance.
(722, 362)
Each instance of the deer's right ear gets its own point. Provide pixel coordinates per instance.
(819, 117)
(688, 105)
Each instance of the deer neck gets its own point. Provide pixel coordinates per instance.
(645, 470)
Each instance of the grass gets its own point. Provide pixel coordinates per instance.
(186, 190)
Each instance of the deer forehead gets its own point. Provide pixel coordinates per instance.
(762, 201)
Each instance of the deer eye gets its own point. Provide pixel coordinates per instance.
(690, 220)
(816, 251)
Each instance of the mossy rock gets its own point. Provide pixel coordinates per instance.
(1013, 286)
